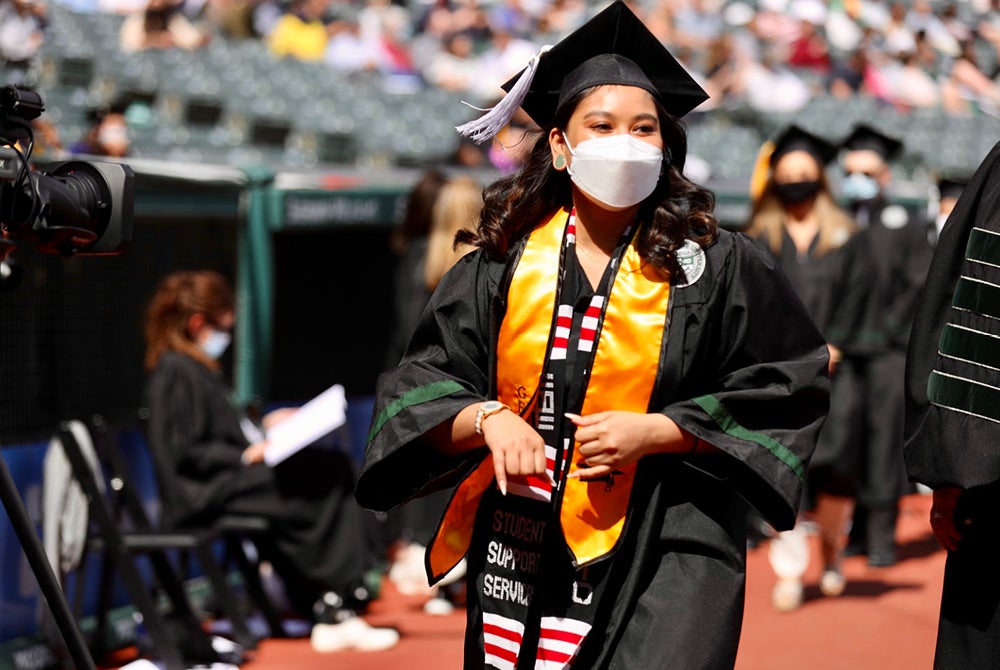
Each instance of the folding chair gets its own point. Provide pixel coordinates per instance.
(232, 528)
(121, 549)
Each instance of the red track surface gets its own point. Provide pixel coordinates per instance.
(887, 618)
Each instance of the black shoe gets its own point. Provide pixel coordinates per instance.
(855, 549)
(884, 558)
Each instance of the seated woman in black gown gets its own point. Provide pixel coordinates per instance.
(209, 457)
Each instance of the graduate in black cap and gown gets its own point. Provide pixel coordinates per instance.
(953, 418)
(897, 238)
(797, 220)
(948, 190)
(604, 380)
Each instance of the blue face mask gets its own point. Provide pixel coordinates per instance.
(216, 344)
(859, 186)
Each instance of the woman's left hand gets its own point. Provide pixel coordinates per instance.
(254, 453)
(609, 441)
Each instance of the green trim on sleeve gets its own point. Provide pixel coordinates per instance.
(729, 425)
(415, 396)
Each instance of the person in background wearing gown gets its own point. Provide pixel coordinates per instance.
(210, 462)
(602, 469)
(953, 419)
(456, 207)
(798, 221)
(897, 238)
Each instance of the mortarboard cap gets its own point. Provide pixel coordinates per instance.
(864, 137)
(795, 138)
(951, 185)
(614, 47)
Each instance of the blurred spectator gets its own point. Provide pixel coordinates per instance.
(922, 19)
(161, 25)
(22, 32)
(959, 30)
(772, 87)
(232, 19)
(107, 136)
(967, 89)
(121, 6)
(346, 51)
(810, 49)
(723, 77)
(774, 26)
(503, 58)
(454, 68)
(855, 75)
(900, 38)
(561, 17)
(432, 30)
(912, 87)
(48, 143)
(697, 23)
(302, 32)
(385, 29)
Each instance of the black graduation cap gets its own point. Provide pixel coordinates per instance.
(795, 138)
(864, 137)
(614, 47)
(951, 185)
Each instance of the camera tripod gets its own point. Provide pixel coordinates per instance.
(51, 590)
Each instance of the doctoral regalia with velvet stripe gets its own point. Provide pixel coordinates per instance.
(953, 414)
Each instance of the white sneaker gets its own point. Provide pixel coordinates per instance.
(832, 583)
(787, 595)
(438, 606)
(352, 634)
(408, 573)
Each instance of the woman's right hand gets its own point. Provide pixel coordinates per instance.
(517, 448)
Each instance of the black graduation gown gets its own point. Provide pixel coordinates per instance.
(679, 572)
(836, 288)
(953, 415)
(898, 240)
(196, 441)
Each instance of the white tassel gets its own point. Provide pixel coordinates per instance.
(493, 121)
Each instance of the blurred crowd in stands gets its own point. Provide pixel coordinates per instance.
(772, 55)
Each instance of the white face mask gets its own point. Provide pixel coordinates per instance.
(617, 171)
(215, 344)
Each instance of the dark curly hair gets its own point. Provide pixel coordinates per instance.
(678, 209)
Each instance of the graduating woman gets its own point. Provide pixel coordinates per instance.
(797, 219)
(610, 378)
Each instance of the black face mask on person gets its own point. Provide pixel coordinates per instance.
(796, 192)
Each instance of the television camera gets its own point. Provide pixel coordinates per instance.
(71, 208)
